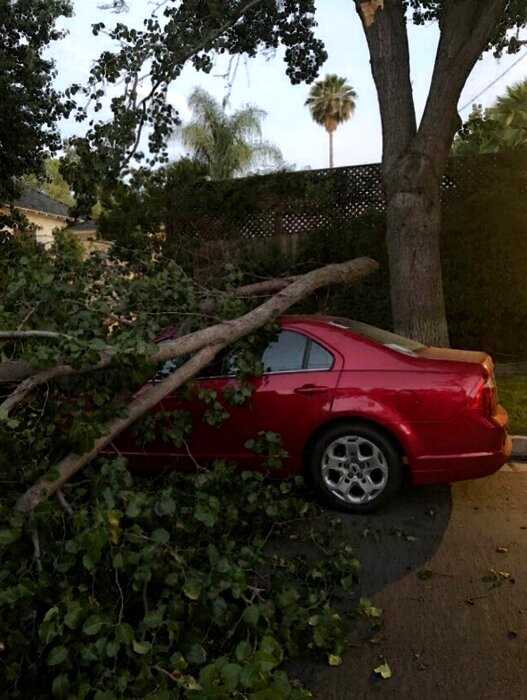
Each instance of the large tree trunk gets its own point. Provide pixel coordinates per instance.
(413, 241)
(414, 159)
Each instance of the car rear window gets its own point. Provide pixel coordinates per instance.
(379, 335)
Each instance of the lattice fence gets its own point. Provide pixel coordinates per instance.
(289, 204)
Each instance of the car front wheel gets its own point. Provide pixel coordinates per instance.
(355, 468)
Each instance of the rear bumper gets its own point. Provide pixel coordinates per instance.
(473, 465)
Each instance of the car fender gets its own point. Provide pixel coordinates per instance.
(372, 411)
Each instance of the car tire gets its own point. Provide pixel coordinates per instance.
(354, 468)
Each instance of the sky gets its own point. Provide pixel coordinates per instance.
(262, 81)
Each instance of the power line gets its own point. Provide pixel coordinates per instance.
(480, 94)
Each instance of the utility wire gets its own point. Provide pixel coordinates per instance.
(480, 94)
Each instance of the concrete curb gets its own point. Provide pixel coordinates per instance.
(519, 447)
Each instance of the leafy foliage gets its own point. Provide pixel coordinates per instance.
(198, 585)
(502, 127)
(51, 182)
(30, 105)
(226, 144)
(180, 587)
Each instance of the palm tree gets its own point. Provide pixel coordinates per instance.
(331, 102)
(510, 113)
(227, 144)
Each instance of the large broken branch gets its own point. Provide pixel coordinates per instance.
(72, 463)
(205, 344)
(340, 273)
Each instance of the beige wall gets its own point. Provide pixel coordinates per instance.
(45, 224)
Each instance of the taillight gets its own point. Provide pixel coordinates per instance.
(486, 396)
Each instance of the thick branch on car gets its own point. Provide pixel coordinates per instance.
(30, 379)
(204, 345)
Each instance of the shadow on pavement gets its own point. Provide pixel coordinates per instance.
(400, 538)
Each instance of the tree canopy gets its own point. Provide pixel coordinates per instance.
(149, 60)
(30, 104)
(51, 182)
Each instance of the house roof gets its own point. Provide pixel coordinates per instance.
(35, 200)
(81, 226)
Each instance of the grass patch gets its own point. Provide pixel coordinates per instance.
(513, 396)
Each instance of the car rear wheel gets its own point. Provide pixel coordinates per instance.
(355, 468)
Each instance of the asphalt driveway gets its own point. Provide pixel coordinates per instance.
(449, 567)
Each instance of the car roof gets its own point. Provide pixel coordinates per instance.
(357, 329)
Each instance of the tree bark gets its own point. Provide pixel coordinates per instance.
(331, 151)
(205, 344)
(414, 224)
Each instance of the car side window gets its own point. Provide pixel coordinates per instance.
(169, 367)
(216, 368)
(286, 354)
(318, 357)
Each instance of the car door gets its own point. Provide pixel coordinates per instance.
(222, 440)
(295, 394)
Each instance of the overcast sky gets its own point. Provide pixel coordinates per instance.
(262, 81)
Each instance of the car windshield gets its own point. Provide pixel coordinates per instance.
(386, 338)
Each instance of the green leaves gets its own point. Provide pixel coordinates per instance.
(57, 656)
(192, 589)
(93, 625)
(207, 511)
(251, 615)
(269, 445)
(367, 608)
(197, 655)
(141, 648)
(189, 583)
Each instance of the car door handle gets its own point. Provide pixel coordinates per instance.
(311, 389)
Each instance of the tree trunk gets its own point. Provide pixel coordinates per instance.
(414, 159)
(413, 240)
(331, 156)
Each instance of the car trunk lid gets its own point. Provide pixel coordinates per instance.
(484, 392)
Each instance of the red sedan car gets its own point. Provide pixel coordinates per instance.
(358, 408)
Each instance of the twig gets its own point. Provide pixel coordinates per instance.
(36, 546)
(28, 316)
(166, 673)
(64, 503)
(121, 607)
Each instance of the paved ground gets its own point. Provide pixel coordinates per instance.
(452, 635)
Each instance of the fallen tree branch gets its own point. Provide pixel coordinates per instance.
(15, 371)
(341, 273)
(31, 383)
(205, 344)
(72, 463)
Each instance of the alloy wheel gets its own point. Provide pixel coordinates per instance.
(354, 469)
